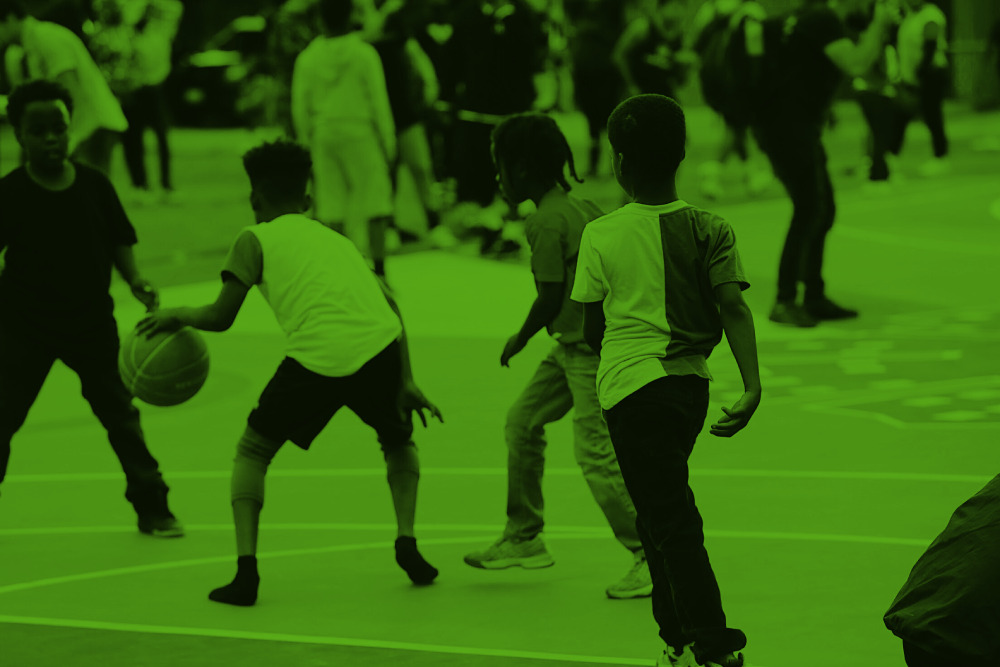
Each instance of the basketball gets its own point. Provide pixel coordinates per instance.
(165, 369)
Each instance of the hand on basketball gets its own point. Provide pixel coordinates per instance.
(147, 295)
(161, 320)
(513, 346)
(411, 398)
(738, 416)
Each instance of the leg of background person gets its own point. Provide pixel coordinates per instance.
(869, 103)
(654, 431)
(132, 140)
(92, 353)
(932, 93)
(593, 450)
(793, 158)
(329, 185)
(415, 153)
(812, 268)
(544, 400)
(159, 120)
(25, 362)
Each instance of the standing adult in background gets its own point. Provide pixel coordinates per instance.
(155, 27)
(53, 52)
(650, 53)
(948, 611)
(813, 54)
(598, 85)
(923, 69)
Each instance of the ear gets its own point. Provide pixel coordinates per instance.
(307, 202)
(256, 203)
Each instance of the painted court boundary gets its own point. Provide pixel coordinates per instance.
(328, 641)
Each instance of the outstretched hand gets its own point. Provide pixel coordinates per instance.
(147, 295)
(737, 417)
(411, 398)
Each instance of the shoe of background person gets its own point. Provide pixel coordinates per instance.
(788, 313)
(877, 188)
(530, 554)
(635, 584)
(824, 309)
(935, 167)
(672, 657)
(164, 526)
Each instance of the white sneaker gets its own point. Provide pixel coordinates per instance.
(636, 584)
(672, 657)
(530, 554)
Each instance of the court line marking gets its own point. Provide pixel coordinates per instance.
(329, 641)
(496, 472)
(266, 555)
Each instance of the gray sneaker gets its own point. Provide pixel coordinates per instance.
(635, 584)
(530, 554)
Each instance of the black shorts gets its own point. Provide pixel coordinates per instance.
(297, 403)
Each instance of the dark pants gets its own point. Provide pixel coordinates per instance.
(799, 161)
(146, 108)
(930, 105)
(91, 351)
(653, 432)
(886, 118)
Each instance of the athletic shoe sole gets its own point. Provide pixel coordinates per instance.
(529, 563)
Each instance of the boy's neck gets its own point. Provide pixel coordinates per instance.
(656, 197)
(55, 177)
(554, 191)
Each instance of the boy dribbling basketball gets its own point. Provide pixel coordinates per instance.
(64, 228)
(346, 346)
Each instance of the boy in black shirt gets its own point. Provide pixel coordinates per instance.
(64, 228)
(813, 55)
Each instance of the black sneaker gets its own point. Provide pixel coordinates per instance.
(824, 309)
(788, 313)
(164, 526)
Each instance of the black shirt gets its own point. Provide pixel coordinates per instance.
(60, 246)
(804, 80)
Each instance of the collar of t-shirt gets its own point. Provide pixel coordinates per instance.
(658, 209)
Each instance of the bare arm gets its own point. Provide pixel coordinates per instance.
(737, 322)
(594, 325)
(403, 344)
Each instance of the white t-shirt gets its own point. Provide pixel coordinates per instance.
(338, 85)
(51, 50)
(655, 269)
(910, 43)
(327, 301)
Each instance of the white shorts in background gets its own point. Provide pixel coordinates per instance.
(350, 175)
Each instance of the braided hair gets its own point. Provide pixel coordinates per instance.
(532, 144)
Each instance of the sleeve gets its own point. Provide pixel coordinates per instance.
(822, 27)
(724, 264)
(547, 244)
(379, 97)
(122, 231)
(590, 283)
(245, 261)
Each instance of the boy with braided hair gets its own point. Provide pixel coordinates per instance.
(531, 154)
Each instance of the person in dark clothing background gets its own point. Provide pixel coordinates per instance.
(650, 53)
(813, 53)
(948, 611)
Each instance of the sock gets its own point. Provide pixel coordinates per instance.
(419, 570)
(243, 589)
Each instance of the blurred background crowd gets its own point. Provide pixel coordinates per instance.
(454, 68)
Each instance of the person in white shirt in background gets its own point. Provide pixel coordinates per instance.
(53, 52)
(155, 24)
(340, 110)
(923, 68)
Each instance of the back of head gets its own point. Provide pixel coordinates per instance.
(650, 132)
(532, 143)
(279, 171)
(39, 90)
(336, 14)
(15, 8)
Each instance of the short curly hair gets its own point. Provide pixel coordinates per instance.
(650, 131)
(280, 170)
(40, 90)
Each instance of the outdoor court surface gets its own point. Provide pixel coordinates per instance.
(869, 435)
